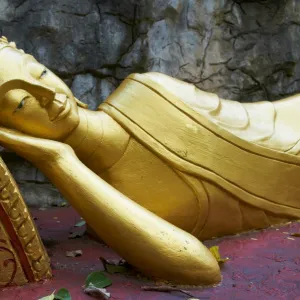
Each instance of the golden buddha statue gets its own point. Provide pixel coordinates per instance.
(161, 166)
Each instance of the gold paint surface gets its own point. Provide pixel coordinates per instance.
(159, 167)
(175, 200)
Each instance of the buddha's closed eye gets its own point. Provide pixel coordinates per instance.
(21, 104)
(43, 73)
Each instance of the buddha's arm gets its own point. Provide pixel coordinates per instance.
(146, 241)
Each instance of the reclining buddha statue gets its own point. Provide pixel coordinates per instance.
(160, 166)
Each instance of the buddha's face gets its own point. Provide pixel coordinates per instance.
(22, 111)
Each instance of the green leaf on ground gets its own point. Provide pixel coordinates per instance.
(63, 294)
(215, 252)
(80, 224)
(98, 279)
(116, 269)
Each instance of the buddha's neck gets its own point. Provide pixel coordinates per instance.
(86, 138)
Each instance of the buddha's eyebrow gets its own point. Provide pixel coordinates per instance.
(27, 58)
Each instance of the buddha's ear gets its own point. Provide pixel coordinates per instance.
(81, 104)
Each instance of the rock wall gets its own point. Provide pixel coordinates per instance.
(241, 50)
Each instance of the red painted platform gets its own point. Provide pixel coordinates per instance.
(263, 265)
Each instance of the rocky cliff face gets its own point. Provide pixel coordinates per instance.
(241, 50)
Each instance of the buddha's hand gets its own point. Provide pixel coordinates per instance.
(37, 150)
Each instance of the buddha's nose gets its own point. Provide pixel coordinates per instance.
(59, 99)
(56, 106)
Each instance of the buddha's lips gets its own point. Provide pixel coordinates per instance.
(62, 112)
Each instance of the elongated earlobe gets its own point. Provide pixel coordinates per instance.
(81, 104)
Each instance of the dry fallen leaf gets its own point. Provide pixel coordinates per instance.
(113, 266)
(75, 235)
(113, 261)
(74, 253)
(96, 292)
(50, 297)
(165, 289)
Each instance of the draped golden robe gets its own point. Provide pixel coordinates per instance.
(198, 166)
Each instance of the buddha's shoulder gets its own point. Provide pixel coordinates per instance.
(253, 122)
(171, 87)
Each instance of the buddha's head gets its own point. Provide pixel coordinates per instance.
(26, 111)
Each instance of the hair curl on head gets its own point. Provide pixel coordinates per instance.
(5, 43)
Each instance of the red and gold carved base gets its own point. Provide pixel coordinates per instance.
(22, 255)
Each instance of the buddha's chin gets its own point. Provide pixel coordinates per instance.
(65, 121)
(60, 129)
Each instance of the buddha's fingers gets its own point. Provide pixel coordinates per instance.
(34, 149)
